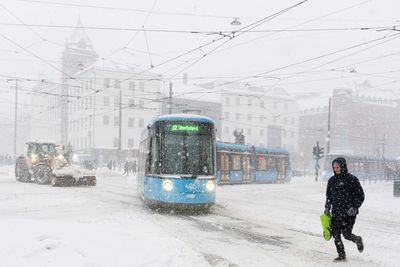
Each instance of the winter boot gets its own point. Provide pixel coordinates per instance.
(341, 257)
(360, 244)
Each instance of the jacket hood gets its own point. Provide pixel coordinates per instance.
(343, 165)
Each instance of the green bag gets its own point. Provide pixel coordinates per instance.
(326, 226)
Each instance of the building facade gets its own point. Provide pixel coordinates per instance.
(110, 109)
(359, 125)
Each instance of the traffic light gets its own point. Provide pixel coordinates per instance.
(320, 152)
(315, 152)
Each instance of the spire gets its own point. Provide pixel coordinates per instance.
(79, 38)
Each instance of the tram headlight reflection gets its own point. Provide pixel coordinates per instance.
(167, 185)
(210, 185)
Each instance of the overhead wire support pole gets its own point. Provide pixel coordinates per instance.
(170, 98)
(120, 130)
(329, 127)
(15, 118)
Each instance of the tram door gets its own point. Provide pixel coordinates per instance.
(246, 168)
(281, 169)
(224, 167)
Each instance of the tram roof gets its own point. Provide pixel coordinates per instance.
(246, 148)
(182, 117)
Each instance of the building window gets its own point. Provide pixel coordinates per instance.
(130, 142)
(226, 129)
(141, 104)
(141, 123)
(132, 85)
(131, 122)
(227, 100)
(227, 115)
(131, 103)
(141, 87)
(116, 101)
(106, 101)
(116, 121)
(106, 120)
(116, 142)
(117, 84)
(106, 83)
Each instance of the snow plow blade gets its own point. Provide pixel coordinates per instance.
(73, 175)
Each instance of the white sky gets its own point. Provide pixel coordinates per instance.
(24, 53)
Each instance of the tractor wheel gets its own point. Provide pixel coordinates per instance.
(21, 171)
(54, 181)
(42, 174)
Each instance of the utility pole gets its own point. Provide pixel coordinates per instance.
(329, 127)
(120, 130)
(170, 98)
(94, 114)
(15, 118)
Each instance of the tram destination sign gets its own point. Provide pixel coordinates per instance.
(184, 128)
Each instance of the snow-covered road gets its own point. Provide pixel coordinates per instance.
(251, 225)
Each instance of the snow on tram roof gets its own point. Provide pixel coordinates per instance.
(182, 117)
(41, 141)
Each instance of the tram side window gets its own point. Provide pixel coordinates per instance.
(271, 164)
(224, 162)
(236, 162)
(262, 164)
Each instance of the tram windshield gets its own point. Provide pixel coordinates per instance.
(187, 148)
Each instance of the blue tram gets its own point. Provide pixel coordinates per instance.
(177, 159)
(364, 167)
(238, 164)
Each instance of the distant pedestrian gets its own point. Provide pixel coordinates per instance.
(114, 164)
(344, 196)
(134, 167)
(126, 168)
(109, 165)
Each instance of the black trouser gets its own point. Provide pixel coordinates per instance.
(343, 225)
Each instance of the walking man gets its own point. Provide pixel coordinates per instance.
(344, 196)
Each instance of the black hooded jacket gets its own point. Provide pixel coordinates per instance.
(343, 191)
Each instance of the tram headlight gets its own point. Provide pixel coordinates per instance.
(167, 185)
(210, 185)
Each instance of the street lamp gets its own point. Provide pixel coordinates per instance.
(236, 22)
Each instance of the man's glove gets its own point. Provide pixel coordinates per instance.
(327, 211)
(352, 211)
